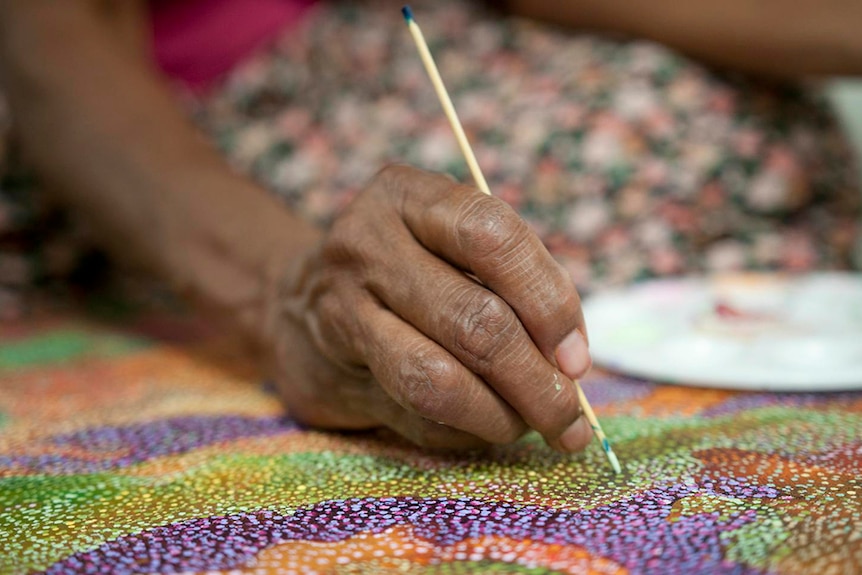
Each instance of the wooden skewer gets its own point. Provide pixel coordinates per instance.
(482, 184)
(597, 428)
(445, 100)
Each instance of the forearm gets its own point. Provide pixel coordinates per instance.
(780, 37)
(106, 135)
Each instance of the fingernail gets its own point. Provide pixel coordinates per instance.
(573, 355)
(577, 436)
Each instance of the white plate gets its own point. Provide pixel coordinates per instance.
(747, 331)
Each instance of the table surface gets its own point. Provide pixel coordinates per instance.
(155, 448)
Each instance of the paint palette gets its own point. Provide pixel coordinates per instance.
(748, 331)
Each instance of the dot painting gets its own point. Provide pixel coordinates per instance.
(128, 454)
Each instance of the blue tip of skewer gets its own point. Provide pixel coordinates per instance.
(408, 13)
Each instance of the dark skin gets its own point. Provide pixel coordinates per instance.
(778, 38)
(427, 307)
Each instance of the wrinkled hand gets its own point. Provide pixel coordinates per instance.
(432, 309)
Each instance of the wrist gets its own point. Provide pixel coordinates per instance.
(227, 245)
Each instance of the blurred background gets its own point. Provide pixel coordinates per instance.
(847, 97)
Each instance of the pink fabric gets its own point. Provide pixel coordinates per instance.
(197, 41)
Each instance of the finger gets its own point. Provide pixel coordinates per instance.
(479, 329)
(342, 328)
(334, 323)
(428, 382)
(485, 236)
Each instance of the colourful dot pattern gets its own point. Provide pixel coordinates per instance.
(123, 455)
(125, 446)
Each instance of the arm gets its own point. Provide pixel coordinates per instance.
(103, 131)
(378, 321)
(778, 37)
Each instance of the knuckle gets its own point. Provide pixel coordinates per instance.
(489, 228)
(391, 175)
(396, 180)
(426, 383)
(356, 241)
(394, 171)
(483, 326)
(348, 239)
(405, 185)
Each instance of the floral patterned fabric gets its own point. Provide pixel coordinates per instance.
(629, 160)
(122, 453)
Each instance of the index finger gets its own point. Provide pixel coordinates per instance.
(485, 236)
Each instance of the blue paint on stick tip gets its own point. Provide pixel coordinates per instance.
(606, 445)
(408, 13)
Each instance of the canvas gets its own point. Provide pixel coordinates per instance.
(122, 452)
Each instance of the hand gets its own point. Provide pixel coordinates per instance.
(432, 309)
